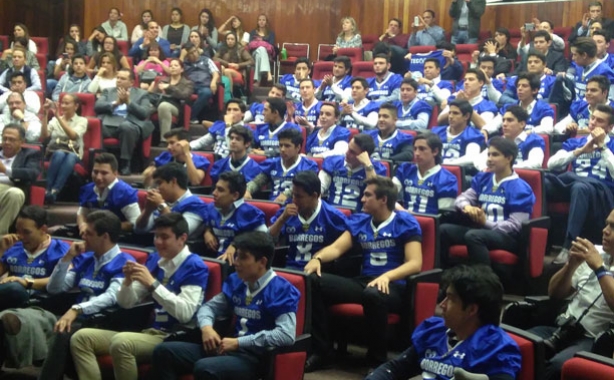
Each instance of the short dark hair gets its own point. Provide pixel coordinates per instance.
(236, 182)
(307, 80)
(384, 187)
(432, 12)
(281, 87)
(540, 56)
(238, 102)
(189, 45)
(532, 78)
(463, 105)
(398, 22)
(383, 56)
(175, 221)
(365, 143)
(304, 60)
(180, 133)
(244, 132)
(542, 33)
(308, 181)
(595, 4)
(606, 109)
(347, 62)
(488, 58)
(77, 56)
(505, 32)
(334, 105)
(604, 33)
(171, 171)
(130, 72)
(34, 213)
(519, 113)
(445, 45)
(278, 106)
(295, 137)
(390, 107)
(106, 158)
(602, 81)
(256, 243)
(18, 128)
(585, 45)
(478, 73)
(508, 148)
(549, 23)
(477, 284)
(17, 74)
(435, 61)
(105, 222)
(411, 82)
(362, 81)
(434, 142)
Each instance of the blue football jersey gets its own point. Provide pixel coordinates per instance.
(489, 351)
(18, 264)
(292, 87)
(316, 145)
(590, 164)
(364, 111)
(120, 196)
(249, 168)
(257, 111)
(426, 95)
(384, 88)
(422, 194)
(457, 147)
(416, 63)
(191, 204)
(245, 218)
(511, 195)
(580, 113)
(281, 177)
(524, 147)
(312, 114)
(219, 130)
(408, 114)
(268, 141)
(329, 95)
(386, 148)
(200, 162)
(582, 76)
(497, 83)
(540, 111)
(346, 186)
(383, 248)
(547, 81)
(93, 281)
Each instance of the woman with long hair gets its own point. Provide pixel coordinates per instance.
(177, 33)
(197, 40)
(206, 27)
(156, 63)
(233, 58)
(236, 27)
(503, 46)
(95, 40)
(262, 46)
(349, 36)
(114, 26)
(109, 45)
(106, 75)
(137, 32)
(20, 30)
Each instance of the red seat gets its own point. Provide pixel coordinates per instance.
(139, 254)
(531, 350)
(209, 156)
(588, 366)
(319, 161)
(515, 36)
(42, 62)
(546, 139)
(421, 49)
(5, 42)
(123, 47)
(324, 50)
(484, 35)
(354, 54)
(269, 208)
(459, 173)
(113, 143)
(187, 113)
(353, 132)
(345, 211)
(35, 195)
(294, 51)
(43, 79)
(258, 158)
(42, 45)
(368, 41)
(87, 101)
(363, 69)
(434, 116)
(464, 51)
(322, 68)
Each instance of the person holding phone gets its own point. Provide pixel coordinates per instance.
(594, 14)
(424, 30)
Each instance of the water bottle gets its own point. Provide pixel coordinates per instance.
(284, 53)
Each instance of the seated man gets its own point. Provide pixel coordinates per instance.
(343, 177)
(452, 69)
(385, 85)
(425, 187)
(584, 278)
(171, 194)
(328, 138)
(302, 69)
(432, 88)
(390, 143)
(240, 139)
(229, 216)
(602, 40)
(18, 84)
(255, 113)
(204, 74)
(530, 146)
(588, 187)
(265, 319)
(495, 207)
(555, 60)
(307, 110)
(19, 167)
(33, 81)
(413, 113)
(278, 172)
(487, 64)
(216, 138)
(124, 111)
(174, 277)
(107, 192)
(266, 141)
(336, 87)
(359, 112)
(307, 223)
(446, 348)
(587, 65)
(75, 81)
(142, 44)
(178, 150)
(19, 115)
(390, 252)
(431, 33)
(525, 45)
(594, 14)
(462, 142)
(27, 258)
(396, 42)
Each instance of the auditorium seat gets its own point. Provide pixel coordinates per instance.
(269, 208)
(547, 143)
(354, 54)
(459, 173)
(87, 101)
(294, 51)
(421, 49)
(4, 40)
(123, 47)
(324, 50)
(464, 51)
(363, 69)
(322, 68)
(531, 350)
(588, 366)
(42, 45)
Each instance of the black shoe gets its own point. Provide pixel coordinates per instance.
(316, 362)
(50, 198)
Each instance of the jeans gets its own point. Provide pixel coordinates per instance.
(462, 37)
(60, 168)
(13, 295)
(51, 83)
(204, 94)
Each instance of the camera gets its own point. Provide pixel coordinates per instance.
(529, 27)
(569, 331)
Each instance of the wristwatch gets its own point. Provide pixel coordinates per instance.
(77, 308)
(162, 206)
(152, 288)
(369, 168)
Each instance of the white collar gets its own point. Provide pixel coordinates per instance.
(382, 224)
(106, 190)
(432, 171)
(170, 266)
(508, 178)
(313, 216)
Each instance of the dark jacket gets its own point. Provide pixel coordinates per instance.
(476, 10)
(555, 61)
(26, 167)
(139, 109)
(606, 23)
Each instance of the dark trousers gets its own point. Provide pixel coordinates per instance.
(128, 134)
(479, 242)
(59, 359)
(398, 64)
(172, 359)
(331, 289)
(13, 295)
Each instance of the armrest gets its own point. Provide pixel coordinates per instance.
(202, 190)
(120, 319)
(594, 357)
(433, 275)
(538, 348)
(302, 343)
(535, 246)
(522, 333)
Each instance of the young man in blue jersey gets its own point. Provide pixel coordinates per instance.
(531, 147)
(336, 87)
(492, 210)
(216, 138)
(425, 187)
(307, 223)
(108, 192)
(307, 110)
(171, 194)
(174, 277)
(413, 113)
(587, 65)
(391, 250)
(385, 85)
(255, 113)
(390, 143)
(265, 307)
(240, 139)
(229, 215)
(266, 142)
(588, 186)
(178, 150)
(328, 138)
(466, 342)
(487, 65)
(302, 70)
(27, 258)
(278, 172)
(461, 141)
(432, 88)
(360, 112)
(342, 177)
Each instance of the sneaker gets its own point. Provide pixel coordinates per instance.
(316, 362)
(562, 257)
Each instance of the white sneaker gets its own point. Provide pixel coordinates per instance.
(562, 257)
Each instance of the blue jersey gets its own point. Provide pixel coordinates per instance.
(306, 237)
(489, 351)
(191, 272)
(590, 164)
(425, 93)
(497, 83)
(17, 262)
(511, 195)
(328, 94)
(244, 218)
(383, 249)
(416, 63)
(119, 196)
(267, 140)
(422, 194)
(457, 147)
(407, 115)
(257, 111)
(218, 131)
(524, 147)
(582, 76)
(192, 204)
(200, 162)
(347, 185)
(93, 281)
(258, 311)
(384, 88)
(249, 168)
(312, 114)
(540, 111)
(580, 113)
(292, 87)
(392, 145)
(317, 145)
(281, 177)
(349, 122)
(547, 81)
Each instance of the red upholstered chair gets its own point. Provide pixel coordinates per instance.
(532, 352)
(515, 36)
(35, 195)
(353, 132)
(42, 45)
(484, 35)
(87, 103)
(123, 47)
(459, 173)
(258, 158)
(322, 68)
(354, 54)
(269, 208)
(421, 49)
(434, 116)
(207, 182)
(41, 75)
(141, 195)
(5, 42)
(345, 211)
(140, 254)
(368, 41)
(294, 51)
(387, 165)
(206, 198)
(42, 61)
(324, 50)
(318, 160)
(464, 51)
(588, 366)
(187, 113)
(363, 69)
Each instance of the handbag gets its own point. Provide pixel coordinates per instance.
(148, 76)
(64, 145)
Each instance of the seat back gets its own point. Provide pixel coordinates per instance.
(429, 224)
(218, 270)
(583, 368)
(92, 139)
(459, 173)
(421, 49)
(207, 181)
(363, 69)
(42, 45)
(515, 36)
(484, 35)
(139, 254)
(141, 196)
(269, 208)
(303, 313)
(296, 50)
(434, 116)
(546, 139)
(322, 68)
(318, 160)
(123, 47)
(368, 41)
(258, 158)
(42, 62)
(535, 179)
(87, 103)
(464, 51)
(354, 54)
(324, 50)
(206, 198)
(5, 42)
(345, 211)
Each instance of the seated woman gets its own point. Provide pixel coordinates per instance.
(109, 45)
(137, 32)
(233, 58)
(114, 26)
(105, 78)
(74, 35)
(504, 48)
(236, 27)
(203, 48)
(95, 40)
(7, 55)
(20, 30)
(156, 64)
(173, 90)
(61, 65)
(262, 47)
(493, 209)
(177, 33)
(65, 147)
(206, 28)
(349, 36)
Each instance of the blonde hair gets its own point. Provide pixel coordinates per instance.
(355, 30)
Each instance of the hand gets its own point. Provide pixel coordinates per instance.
(548, 71)
(173, 46)
(312, 266)
(18, 114)
(584, 249)
(408, 57)
(281, 198)
(448, 54)
(211, 339)
(184, 146)
(425, 81)
(523, 32)
(481, 218)
(141, 274)
(335, 49)
(213, 87)
(598, 137)
(229, 345)
(536, 21)
(462, 95)
(211, 241)
(127, 271)
(20, 280)
(491, 47)
(75, 250)
(364, 159)
(487, 79)
(475, 56)
(347, 109)
(328, 79)
(227, 256)
(301, 120)
(290, 210)
(163, 86)
(500, 76)
(248, 195)
(585, 19)
(64, 323)
(571, 128)
(234, 66)
(381, 283)
(123, 95)
(8, 241)
(471, 212)
(101, 71)
(154, 199)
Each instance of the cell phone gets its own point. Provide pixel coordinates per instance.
(416, 21)
(64, 55)
(529, 27)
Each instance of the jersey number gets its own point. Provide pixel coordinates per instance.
(378, 259)
(494, 212)
(347, 196)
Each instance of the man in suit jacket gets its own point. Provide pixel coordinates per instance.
(555, 61)
(594, 14)
(125, 112)
(466, 15)
(18, 168)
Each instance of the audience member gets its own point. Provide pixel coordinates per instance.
(359, 112)
(109, 45)
(74, 35)
(139, 29)
(152, 34)
(255, 113)
(432, 88)
(385, 85)
(21, 31)
(536, 65)
(503, 47)
(153, 65)
(106, 77)
(594, 14)
(197, 40)
(94, 41)
(33, 81)
(266, 140)
(430, 34)
(74, 81)
(396, 42)
(18, 114)
(307, 111)
(114, 26)
(234, 59)
(390, 143)
(206, 28)
(240, 139)
(7, 55)
(555, 61)
(236, 28)
(216, 137)
(453, 69)
(328, 138)
(204, 74)
(413, 113)
(302, 69)
(176, 33)
(18, 84)
(525, 44)
(262, 47)
(586, 64)
(602, 40)
(349, 37)
(337, 87)
(467, 17)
